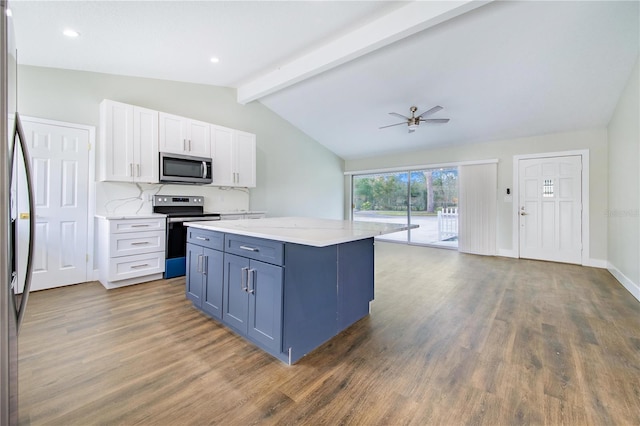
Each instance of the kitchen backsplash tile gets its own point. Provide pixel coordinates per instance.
(135, 198)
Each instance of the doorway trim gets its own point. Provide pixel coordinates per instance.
(91, 179)
(584, 153)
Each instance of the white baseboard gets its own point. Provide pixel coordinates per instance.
(507, 253)
(632, 287)
(598, 263)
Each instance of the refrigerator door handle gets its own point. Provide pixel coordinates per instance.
(19, 139)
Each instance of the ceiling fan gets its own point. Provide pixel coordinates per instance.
(413, 122)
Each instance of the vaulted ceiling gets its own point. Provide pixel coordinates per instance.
(336, 69)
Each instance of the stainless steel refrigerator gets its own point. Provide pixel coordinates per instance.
(13, 163)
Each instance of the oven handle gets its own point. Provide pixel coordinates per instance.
(191, 219)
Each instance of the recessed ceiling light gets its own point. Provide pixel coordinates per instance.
(71, 33)
(214, 60)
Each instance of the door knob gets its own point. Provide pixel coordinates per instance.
(523, 213)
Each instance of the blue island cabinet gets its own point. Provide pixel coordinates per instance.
(204, 270)
(286, 298)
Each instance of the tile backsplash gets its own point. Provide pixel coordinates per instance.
(114, 198)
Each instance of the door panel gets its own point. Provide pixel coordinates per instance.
(59, 155)
(235, 297)
(265, 304)
(213, 283)
(550, 208)
(194, 274)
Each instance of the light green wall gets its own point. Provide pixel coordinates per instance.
(595, 140)
(624, 184)
(296, 176)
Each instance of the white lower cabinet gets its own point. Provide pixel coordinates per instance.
(131, 251)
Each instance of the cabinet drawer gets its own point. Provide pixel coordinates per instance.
(138, 265)
(204, 238)
(118, 226)
(255, 248)
(129, 243)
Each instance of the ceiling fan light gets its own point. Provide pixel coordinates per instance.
(413, 127)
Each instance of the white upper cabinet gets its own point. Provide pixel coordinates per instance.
(223, 156)
(127, 135)
(180, 135)
(246, 159)
(234, 157)
(132, 137)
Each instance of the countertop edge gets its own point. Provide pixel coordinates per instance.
(211, 226)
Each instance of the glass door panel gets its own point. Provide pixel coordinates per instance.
(382, 197)
(427, 198)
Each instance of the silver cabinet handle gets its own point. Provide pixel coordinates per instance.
(254, 249)
(140, 243)
(131, 169)
(205, 268)
(139, 266)
(184, 144)
(138, 170)
(202, 238)
(244, 277)
(251, 285)
(199, 264)
(139, 226)
(189, 144)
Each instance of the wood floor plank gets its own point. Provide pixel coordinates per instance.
(452, 339)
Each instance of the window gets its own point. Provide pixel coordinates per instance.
(428, 198)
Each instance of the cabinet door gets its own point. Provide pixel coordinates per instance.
(194, 274)
(265, 305)
(198, 138)
(223, 156)
(116, 141)
(145, 136)
(213, 279)
(173, 133)
(235, 305)
(245, 159)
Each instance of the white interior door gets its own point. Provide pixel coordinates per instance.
(550, 208)
(59, 158)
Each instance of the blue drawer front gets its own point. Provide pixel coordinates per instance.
(204, 238)
(255, 248)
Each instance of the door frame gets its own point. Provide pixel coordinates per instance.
(584, 153)
(91, 182)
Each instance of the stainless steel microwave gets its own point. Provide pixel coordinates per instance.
(177, 168)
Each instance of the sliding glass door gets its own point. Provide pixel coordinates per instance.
(382, 197)
(427, 198)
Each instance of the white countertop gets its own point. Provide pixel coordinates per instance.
(303, 230)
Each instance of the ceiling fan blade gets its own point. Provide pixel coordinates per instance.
(431, 111)
(435, 120)
(395, 114)
(391, 125)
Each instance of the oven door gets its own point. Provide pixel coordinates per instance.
(176, 251)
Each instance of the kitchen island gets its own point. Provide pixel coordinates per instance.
(286, 284)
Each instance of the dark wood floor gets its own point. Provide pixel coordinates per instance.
(452, 339)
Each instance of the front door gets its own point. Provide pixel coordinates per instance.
(59, 157)
(550, 208)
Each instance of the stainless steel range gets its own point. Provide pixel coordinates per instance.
(179, 210)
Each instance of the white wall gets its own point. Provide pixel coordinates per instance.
(624, 187)
(595, 140)
(296, 176)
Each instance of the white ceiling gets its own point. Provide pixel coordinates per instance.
(501, 70)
